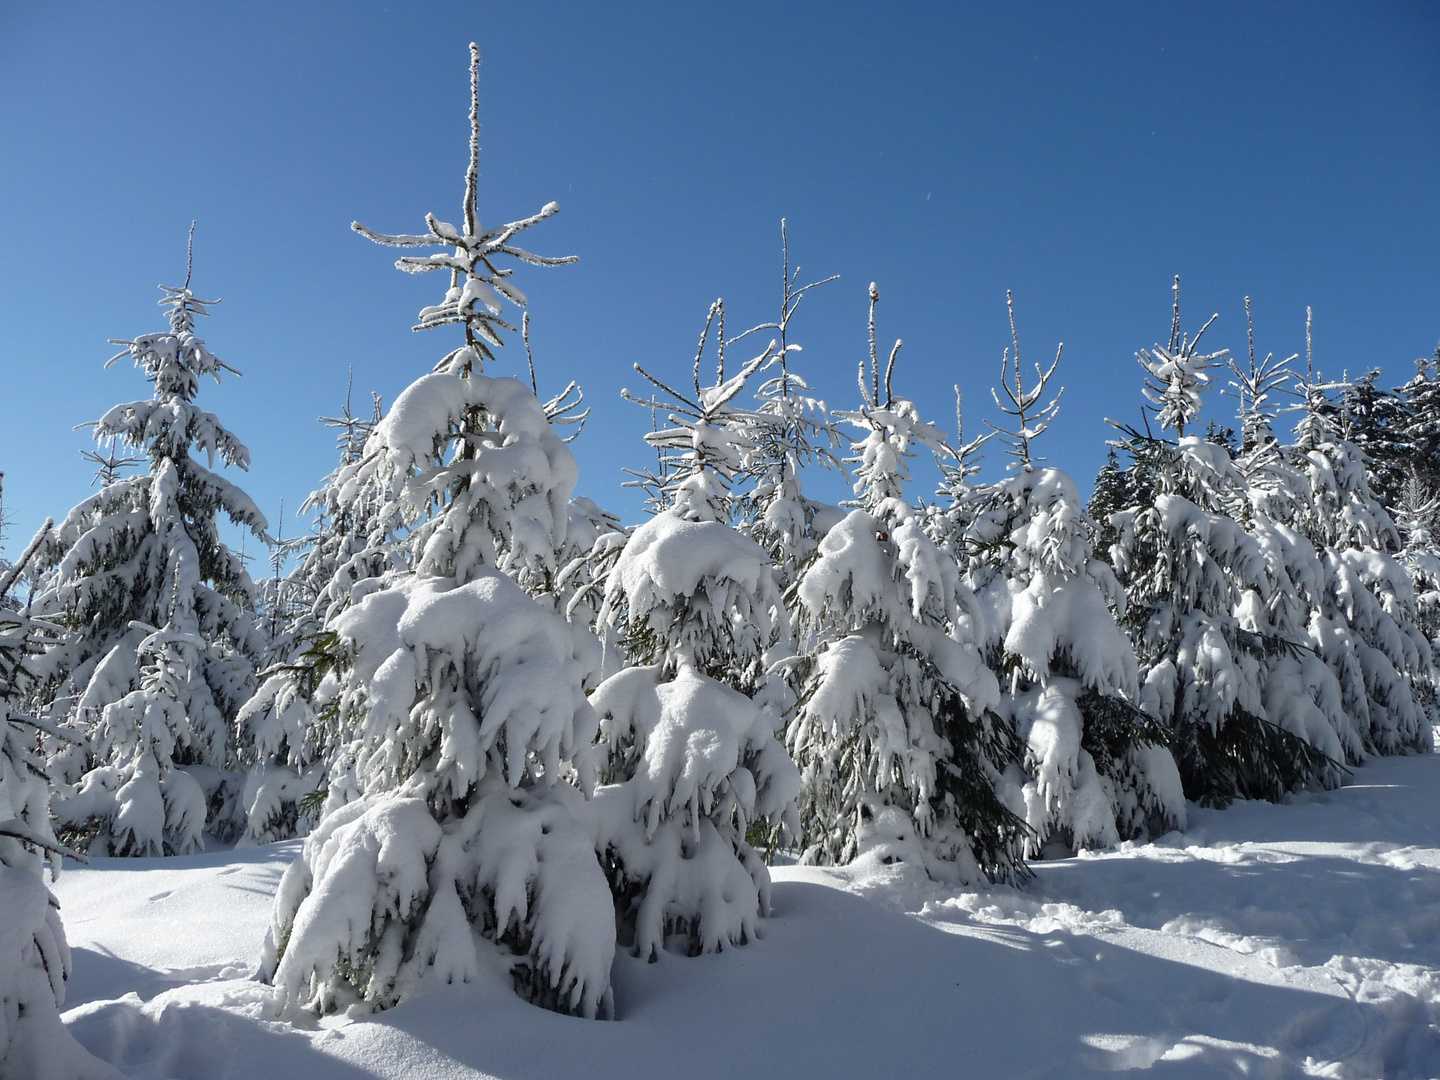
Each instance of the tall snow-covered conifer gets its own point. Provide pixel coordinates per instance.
(1188, 566)
(462, 696)
(1422, 430)
(1096, 768)
(900, 749)
(160, 645)
(1419, 524)
(1365, 627)
(1300, 692)
(693, 766)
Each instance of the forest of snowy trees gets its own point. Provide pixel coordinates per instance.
(514, 730)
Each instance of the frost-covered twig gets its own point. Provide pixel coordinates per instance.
(1178, 374)
(1254, 387)
(1032, 421)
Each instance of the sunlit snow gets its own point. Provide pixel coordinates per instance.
(1280, 941)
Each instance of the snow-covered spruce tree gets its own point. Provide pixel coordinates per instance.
(159, 648)
(1419, 524)
(796, 432)
(694, 771)
(1187, 565)
(464, 696)
(1116, 488)
(287, 750)
(1422, 431)
(1301, 693)
(34, 956)
(1365, 629)
(1376, 420)
(1367, 632)
(900, 749)
(1096, 769)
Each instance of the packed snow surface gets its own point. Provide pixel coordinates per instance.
(1264, 941)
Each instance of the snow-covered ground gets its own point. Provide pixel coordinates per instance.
(1265, 941)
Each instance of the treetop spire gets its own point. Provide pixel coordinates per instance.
(477, 283)
(472, 174)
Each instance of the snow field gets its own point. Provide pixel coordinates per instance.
(1274, 941)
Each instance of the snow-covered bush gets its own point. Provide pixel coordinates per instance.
(160, 646)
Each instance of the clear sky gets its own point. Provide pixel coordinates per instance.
(1080, 155)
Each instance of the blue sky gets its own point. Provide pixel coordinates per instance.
(1078, 155)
